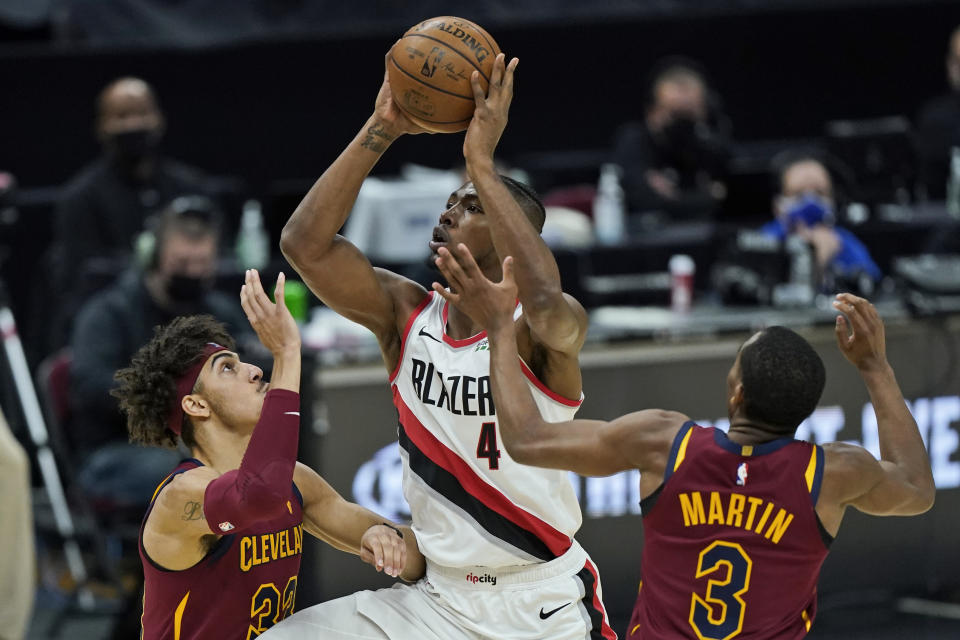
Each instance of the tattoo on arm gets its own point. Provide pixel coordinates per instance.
(377, 139)
(192, 511)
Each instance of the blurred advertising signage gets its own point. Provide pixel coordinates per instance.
(377, 483)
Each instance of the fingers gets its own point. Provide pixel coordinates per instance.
(854, 316)
(478, 93)
(496, 77)
(862, 315)
(508, 79)
(508, 271)
(450, 266)
(246, 304)
(449, 296)
(252, 303)
(452, 280)
(465, 260)
(256, 287)
(842, 332)
(401, 557)
(394, 555)
(384, 549)
(375, 545)
(278, 291)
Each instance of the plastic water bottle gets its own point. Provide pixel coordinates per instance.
(953, 183)
(802, 272)
(253, 244)
(609, 207)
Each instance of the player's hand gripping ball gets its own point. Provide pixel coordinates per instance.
(430, 68)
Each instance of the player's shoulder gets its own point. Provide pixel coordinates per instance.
(406, 294)
(646, 437)
(845, 468)
(185, 485)
(846, 456)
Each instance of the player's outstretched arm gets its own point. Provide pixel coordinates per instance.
(901, 482)
(639, 440)
(332, 267)
(351, 528)
(556, 321)
(203, 502)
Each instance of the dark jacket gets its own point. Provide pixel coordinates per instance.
(108, 330)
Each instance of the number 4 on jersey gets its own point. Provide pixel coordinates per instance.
(487, 445)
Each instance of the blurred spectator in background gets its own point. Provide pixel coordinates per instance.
(938, 128)
(17, 563)
(805, 204)
(174, 277)
(177, 279)
(105, 206)
(674, 161)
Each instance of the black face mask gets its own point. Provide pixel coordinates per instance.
(135, 144)
(681, 134)
(184, 289)
(690, 145)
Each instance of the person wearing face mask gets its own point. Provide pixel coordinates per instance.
(177, 280)
(938, 128)
(805, 205)
(674, 161)
(108, 203)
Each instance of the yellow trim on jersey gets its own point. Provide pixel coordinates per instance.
(682, 451)
(811, 468)
(746, 450)
(806, 619)
(178, 616)
(160, 486)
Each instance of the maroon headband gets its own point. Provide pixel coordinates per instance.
(186, 383)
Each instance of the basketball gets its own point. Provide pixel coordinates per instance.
(430, 68)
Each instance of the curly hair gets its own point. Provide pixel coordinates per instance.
(147, 388)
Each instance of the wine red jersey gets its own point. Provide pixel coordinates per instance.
(245, 584)
(733, 545)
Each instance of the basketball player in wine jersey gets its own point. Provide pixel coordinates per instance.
(498, 537)
(222, 538)
(736, 524)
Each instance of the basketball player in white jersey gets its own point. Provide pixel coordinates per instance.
(498, 536)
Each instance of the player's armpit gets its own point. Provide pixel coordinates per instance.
(852, 476)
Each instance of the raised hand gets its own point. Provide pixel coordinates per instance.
(491, 111)
(489, 304)
(860, 335)
(275, 327)
(393, 121)
(382, 548)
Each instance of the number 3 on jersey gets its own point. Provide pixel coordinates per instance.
(719, 616)
(268, 606)
(487, 445)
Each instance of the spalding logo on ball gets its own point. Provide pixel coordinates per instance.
(430, 69)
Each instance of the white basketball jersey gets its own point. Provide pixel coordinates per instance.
(472, 505)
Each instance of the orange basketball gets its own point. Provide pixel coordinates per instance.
(430, 68)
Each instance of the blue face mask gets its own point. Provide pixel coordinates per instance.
(810, 210)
